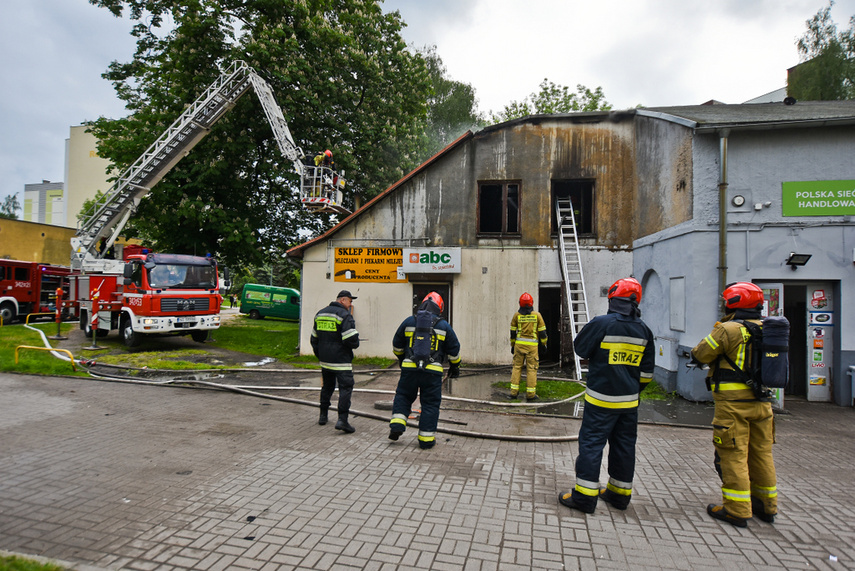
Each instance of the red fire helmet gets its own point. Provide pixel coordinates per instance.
(436, 298)
(626, 287)
(526, 300)
(743, 295)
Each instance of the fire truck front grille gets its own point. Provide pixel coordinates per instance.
(184, 304)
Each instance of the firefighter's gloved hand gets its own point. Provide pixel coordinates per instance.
(454, 370)
(512, 348)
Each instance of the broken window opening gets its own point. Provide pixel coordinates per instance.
(499, 208)
(581, 194)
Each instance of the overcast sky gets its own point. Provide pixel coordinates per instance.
(648, 52)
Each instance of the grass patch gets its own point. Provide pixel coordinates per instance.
(170, 360)
(31, 361)
(275, 338)
(15, 563)
(654, 391)
(266, 337)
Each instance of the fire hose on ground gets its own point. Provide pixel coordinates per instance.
(254, 391)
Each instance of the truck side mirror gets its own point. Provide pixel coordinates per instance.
(127, 273)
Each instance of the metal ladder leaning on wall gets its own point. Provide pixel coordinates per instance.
(575, 297)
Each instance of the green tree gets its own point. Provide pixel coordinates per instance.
(338, 68)
(452, 106)
(827, 71)
(10, 207)
(554, 98)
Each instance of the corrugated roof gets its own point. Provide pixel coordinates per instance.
(758, 115)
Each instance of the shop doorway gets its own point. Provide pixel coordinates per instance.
(420, 290)
(795, 310)
(549, 306)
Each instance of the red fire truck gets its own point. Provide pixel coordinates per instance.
(154, 294)
(30, 287)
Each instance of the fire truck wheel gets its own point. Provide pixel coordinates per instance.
(199, 336)
(84, 324)
(129, 336)
(7, 311)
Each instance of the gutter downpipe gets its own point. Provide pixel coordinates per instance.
(722, 214)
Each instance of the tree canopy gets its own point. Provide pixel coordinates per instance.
(827, 71)
(554, 98)
(338, 68)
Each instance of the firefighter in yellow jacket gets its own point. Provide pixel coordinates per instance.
(527, 327)
(743, 425)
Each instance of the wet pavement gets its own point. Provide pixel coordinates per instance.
(114, 475)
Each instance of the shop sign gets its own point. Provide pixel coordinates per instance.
(818, 198)
(368, 265)
(432, 260)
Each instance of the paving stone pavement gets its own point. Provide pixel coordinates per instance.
(120, 476)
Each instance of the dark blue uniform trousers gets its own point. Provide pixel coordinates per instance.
(345, 389)
(618, 428)
(428, 387)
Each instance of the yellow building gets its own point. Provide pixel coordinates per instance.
(34, 242)
(85, 172)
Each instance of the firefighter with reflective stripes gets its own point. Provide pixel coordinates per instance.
(743, 426)
(528, 330)
(620, 351)
(421, 344)
(334, 337)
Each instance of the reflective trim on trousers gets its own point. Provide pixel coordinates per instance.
(736, 495)
(427, 436)
(587, 487)
(399, 419)
(766, 491)
(618, 487)
(337, 366)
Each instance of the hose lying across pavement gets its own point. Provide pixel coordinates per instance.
(251, 391)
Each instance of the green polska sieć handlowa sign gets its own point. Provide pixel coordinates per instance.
(818, 198)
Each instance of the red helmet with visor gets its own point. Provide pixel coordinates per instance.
(436, 298)
(743, 295)
(626, 287)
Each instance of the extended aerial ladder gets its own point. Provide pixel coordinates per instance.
(320, 187)
(576, 300)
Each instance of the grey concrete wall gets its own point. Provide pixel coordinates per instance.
(759, 240)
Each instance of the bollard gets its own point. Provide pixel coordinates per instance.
(93, 322)
(58, 336)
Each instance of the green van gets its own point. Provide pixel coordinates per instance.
(261, 301)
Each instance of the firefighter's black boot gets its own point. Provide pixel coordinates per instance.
(760, 510)
(566, 499)
(615, 500)
(718, 512)
(324, 417)
(342, 424)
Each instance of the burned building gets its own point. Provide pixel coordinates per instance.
(487, 218)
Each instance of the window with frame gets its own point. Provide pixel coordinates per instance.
(581, 195)
(499, 208)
